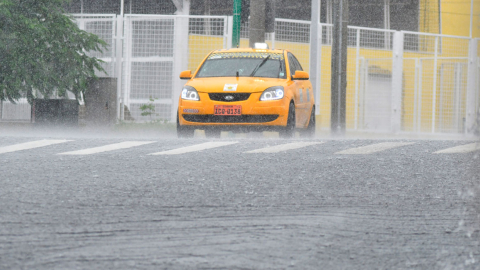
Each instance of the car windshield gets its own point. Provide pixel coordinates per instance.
(269, 65)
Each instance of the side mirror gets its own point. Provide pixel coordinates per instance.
(300, 75)
(186, 75)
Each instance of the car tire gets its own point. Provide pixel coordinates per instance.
(309, 132)
(212, 133)
(184, 131)
(289, 129)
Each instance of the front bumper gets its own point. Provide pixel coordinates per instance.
(254, 112)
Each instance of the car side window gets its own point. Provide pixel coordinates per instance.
(291, 64)
(297, 63)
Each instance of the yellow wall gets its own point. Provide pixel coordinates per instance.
(378, 59)
(456, 17)
(198, 48)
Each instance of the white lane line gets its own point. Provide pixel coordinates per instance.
(283, 147)
(373, 148)
(29, 145)
(106, 148)
(194, 148)
(466, 148)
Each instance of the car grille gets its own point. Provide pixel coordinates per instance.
(235, 96)
(208, 118)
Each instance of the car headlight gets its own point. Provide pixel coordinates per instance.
(272, 93)
(189, 93)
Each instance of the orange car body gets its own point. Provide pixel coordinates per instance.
(229, 102)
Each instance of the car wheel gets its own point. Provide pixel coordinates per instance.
(184, 131)
(289, 130)
(212, 133)
(310, 130)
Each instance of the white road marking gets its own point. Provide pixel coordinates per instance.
(106, 148)
(466, 148)
(29, 145)
(194, 148)
(373, 148)
(283, 147)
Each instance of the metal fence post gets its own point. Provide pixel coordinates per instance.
(357, 77)
(127, 48)
(397, 81)
(180, 61)
(230, 32)
(315, 48)
(118, 66)
(434, 90)
(319, 71)
(471, 86)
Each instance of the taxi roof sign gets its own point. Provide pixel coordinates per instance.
(263, 46)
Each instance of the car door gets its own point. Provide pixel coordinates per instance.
(297, 85)
(301, 96)
(308, 98)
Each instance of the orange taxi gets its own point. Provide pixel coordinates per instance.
(245, 89)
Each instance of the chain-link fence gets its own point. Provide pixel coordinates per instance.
(369, 68)
(148, 64)
(369, 74)
(205, 35)
(434, 81)
(435, 84)
(104, 27)
(436, 70)
(293, 35)
(156, 49)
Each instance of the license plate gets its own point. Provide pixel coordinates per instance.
(228, 110)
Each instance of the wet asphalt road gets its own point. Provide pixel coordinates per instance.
(222, 208)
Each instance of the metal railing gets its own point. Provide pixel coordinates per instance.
(397, 81)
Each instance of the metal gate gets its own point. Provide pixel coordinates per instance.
(435, 83)
(431, 80)
(156, 49)
(104, 27)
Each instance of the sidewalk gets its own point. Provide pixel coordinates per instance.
(115, 131)
(156, 130)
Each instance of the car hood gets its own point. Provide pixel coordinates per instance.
(243, 84)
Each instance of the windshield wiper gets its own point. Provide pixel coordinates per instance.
(259, 65)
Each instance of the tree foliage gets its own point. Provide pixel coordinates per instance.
(42, 49)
